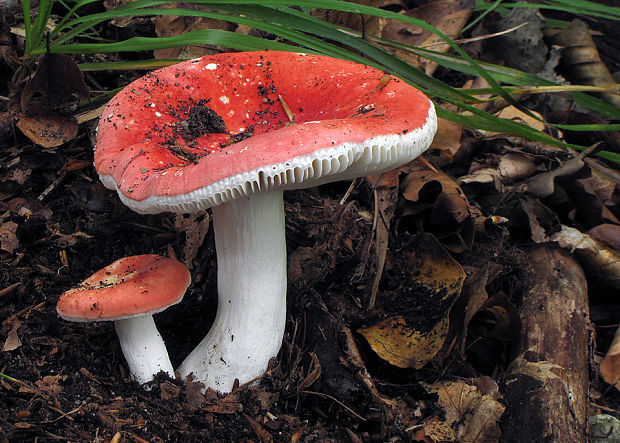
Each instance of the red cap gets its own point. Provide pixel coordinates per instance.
(202, 132)
(129, 287)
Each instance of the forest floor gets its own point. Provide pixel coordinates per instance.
(451, 253)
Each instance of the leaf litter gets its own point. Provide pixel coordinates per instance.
(404, 290)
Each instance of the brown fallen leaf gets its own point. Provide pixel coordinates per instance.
(514, 114)
(418, 320)
(50, 384)
(173, 25)
(229, 404)
(601, 259)
(447, 139)
(448, 16)
(385, 206)
(500, 170)
(8, 236)
(49, 130)
(436, 202)
(543, 185)
(610, 366)
(473, 410)
(474, 291)
(56, 87)
(369, 25)
(12, 341)
(607, 233)
(195, 226)
(582, 61)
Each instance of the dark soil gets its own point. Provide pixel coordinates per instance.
(68, 381)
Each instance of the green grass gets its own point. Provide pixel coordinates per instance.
(73, 34)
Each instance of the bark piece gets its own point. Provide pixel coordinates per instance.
(546, 389)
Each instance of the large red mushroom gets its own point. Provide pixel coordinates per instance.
(214, 132)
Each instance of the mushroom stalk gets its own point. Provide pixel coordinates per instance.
(143, 348)
(249, 325)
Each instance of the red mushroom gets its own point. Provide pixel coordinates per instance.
(128, 292)
(212, 132)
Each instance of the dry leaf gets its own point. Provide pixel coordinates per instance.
(385, 204)
(12, 341)
(503, 170)
(196, 227)
(49, 384)
(370, 25)
(523, 47)
(8, 236)
(543, 185)
(514, 114)
(610, 366)
(436, 430)
(418, 326)
(447, 16)
(474, 291)
(229, 404)
(600, 258)
(56, 87)
(173, 25)
(448, 138)
(474, 411)
(439, 200)
(607, 233)
(49, 131)
(582, 61)
(542, 220)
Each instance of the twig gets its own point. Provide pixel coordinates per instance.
(321, 394)
(288, 111)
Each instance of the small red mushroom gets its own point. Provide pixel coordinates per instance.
(128, 292)
(212, 132)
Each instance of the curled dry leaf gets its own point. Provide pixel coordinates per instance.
(503, 170)
(49, 99)
(447, 139)
(56, 87)
(581, 59)
(474, 291)
(610, 366)
(447, 16)
(436, 202)
(607, 233)
(418, 320)
(497, 318)
(473, 410)
(591, 200)
(12, 341)
(543, 185)
(196, 227)
(542, 220)
(599, 257)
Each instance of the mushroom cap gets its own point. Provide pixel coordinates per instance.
(132, 286)
(209, 130)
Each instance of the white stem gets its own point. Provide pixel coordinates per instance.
(251, 313)
(143, 347)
